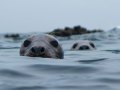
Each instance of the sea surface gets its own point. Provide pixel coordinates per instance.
(79, 70)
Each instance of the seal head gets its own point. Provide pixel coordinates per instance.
(42, 45)
(83, 45)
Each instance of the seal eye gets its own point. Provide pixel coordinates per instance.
(75, 45)
(26, 43)
(92, 44)
(54, 43)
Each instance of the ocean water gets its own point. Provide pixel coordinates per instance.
(79, 70)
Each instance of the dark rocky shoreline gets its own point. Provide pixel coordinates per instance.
(66, 32)
(76, 30)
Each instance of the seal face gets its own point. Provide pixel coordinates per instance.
(83, 45)
(42, 45)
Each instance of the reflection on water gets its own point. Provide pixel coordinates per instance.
(79, 70)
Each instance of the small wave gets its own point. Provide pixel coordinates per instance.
(84, 87)
(92, 61)
(109, 80)
(64, 87)
(114, 51)
(12, 73)
(64, 69)
(29, 88)
(9, 47)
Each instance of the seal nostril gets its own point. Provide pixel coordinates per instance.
(42, 49)
(37, 49)
(33, 49)
(84, 48)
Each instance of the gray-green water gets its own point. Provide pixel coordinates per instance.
(79, 70)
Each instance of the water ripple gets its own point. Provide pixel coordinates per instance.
(92, 61)
(64, 69)
(114, 51)
(13, 73)
(84, 87)
(29, 88)
(112, 80)
(9, 47)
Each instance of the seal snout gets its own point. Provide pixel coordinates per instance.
(84, 47)
(38, 50)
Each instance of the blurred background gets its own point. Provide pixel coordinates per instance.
(46, 15)
(96, 21)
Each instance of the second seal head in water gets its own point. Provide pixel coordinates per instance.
(83, 45)
(42, 45)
